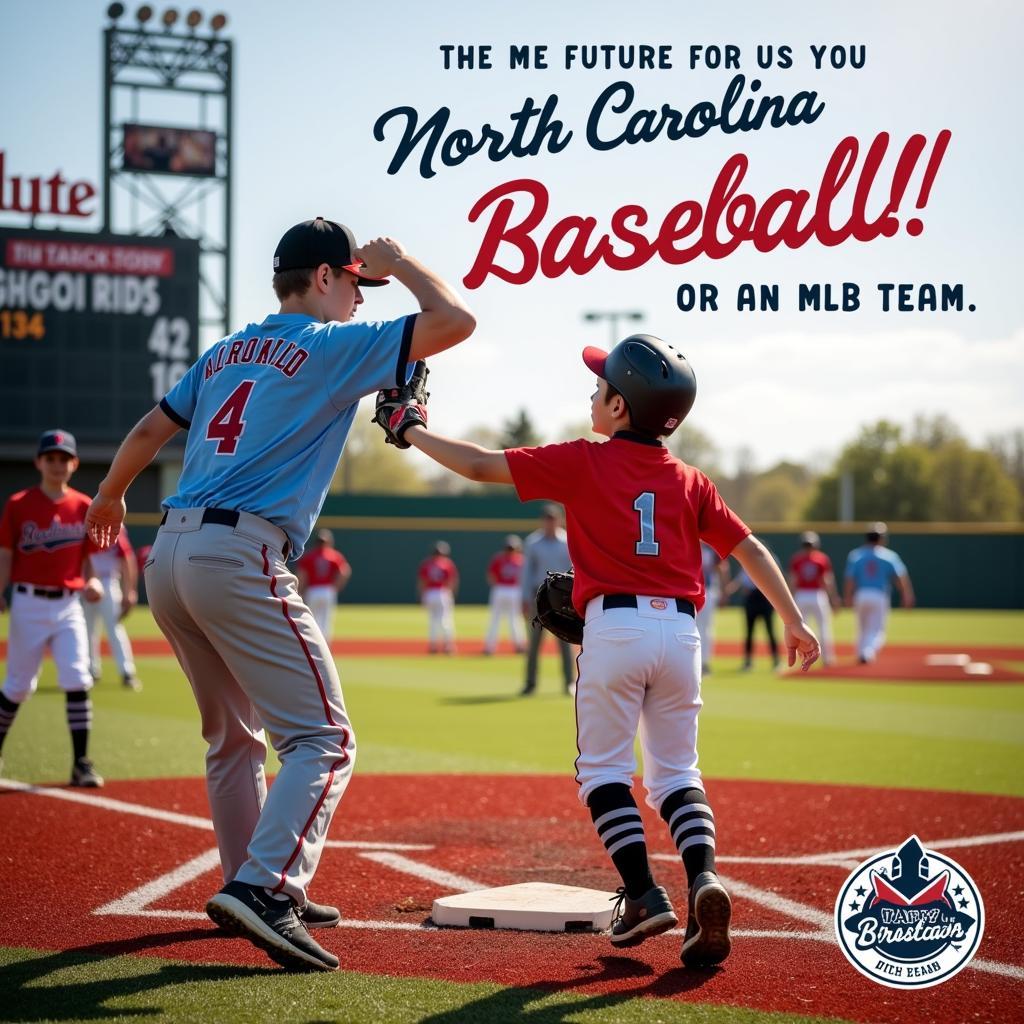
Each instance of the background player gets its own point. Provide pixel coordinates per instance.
(547, 550)
(503, 575)
(118, 574)
(437, 581)
(756, 606)
(43, 553)
(716, 578)
(268, 410)
(871, 570)
(814, 586)
(635, 517)
(323, 572)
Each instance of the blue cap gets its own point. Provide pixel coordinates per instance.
(58, 441)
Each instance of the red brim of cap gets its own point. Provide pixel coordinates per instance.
(595, 359)
(364, 280)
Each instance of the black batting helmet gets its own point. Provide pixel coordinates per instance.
(656, 382)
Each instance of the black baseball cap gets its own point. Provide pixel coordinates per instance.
(317, 241)
(57, 441)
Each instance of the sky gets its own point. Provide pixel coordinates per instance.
(312, 79)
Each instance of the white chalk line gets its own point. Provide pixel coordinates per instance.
(136, 903)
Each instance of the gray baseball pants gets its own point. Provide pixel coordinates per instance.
(255, 657)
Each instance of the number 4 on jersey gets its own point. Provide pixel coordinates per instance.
(227, 423)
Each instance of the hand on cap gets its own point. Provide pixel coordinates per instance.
(799, 638)
(379, 256)
(103, 520)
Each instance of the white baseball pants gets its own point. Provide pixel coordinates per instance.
(321, 601)
(639, 670)
(506, 603)
(441, 623)
(36, 622)
(814, 606)
(227, 603)
(872, 608)
(108, 607)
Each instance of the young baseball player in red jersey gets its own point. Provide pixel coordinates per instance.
(635, 516)
(814, 587)
(44, 556)
(503, 575)
(437, 579)
(323, 572)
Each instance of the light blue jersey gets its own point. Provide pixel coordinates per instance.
(872, 567)
(268, 410)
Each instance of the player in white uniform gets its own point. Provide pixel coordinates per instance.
(117, 572)
(323, 572)
(716, 578)
(268, 410)
(871, 571)
(437, 580)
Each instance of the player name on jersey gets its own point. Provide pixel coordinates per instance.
(283, 355)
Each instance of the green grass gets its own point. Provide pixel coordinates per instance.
(423, 714)
(82, 986)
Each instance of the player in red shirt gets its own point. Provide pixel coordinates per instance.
(814, 586)
(503, 575)
(635, 516)
(44, 556)
(436, 582)
(323, 572)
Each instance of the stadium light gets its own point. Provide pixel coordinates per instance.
(613, 316)
(169, 18)
(193, 19)
(218, 21)
(114, 11)
(143, 14)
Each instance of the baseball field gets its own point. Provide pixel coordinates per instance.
(460, 784)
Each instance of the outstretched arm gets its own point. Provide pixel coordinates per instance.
(462, 457)
(768, 578)
(137, 451)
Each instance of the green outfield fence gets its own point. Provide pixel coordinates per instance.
(384, 537)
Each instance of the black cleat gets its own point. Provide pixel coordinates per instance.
(84, 775)
(635, 920)
(318, 915)
(272, 925)
(707, 940)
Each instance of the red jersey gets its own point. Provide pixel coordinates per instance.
(47, 538)
(809, 569)
(635, 515)
(323, 566)
(505, 569)
(437, 572)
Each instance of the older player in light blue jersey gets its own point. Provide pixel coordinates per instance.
(268, 410)
(871, 571)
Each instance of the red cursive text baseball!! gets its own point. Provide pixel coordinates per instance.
(731, 217)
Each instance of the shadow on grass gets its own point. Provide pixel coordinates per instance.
(27, 996)
(514, 1004)
(485, 698)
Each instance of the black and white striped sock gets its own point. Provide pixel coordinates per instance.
(619, 827)
(8, 709)
(79, 712)
(692, 824)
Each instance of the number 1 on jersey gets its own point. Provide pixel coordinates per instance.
(646, 545)
(227, 425)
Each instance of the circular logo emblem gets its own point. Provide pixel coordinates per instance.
(910, 918)
(658, 603)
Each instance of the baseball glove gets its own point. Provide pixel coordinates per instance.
(399, 408)
(555, 611)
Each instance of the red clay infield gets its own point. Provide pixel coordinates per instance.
(67, 859)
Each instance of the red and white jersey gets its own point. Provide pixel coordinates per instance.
(47, 538)
(438, 572)
(635, 515)
(323, 566)
(809, 569)
(505, 569)
(106, 563)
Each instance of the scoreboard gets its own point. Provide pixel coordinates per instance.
(94, 329)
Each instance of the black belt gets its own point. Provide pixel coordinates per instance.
(50, 593)
(224, 517)
(220, 516)
(629, 601)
